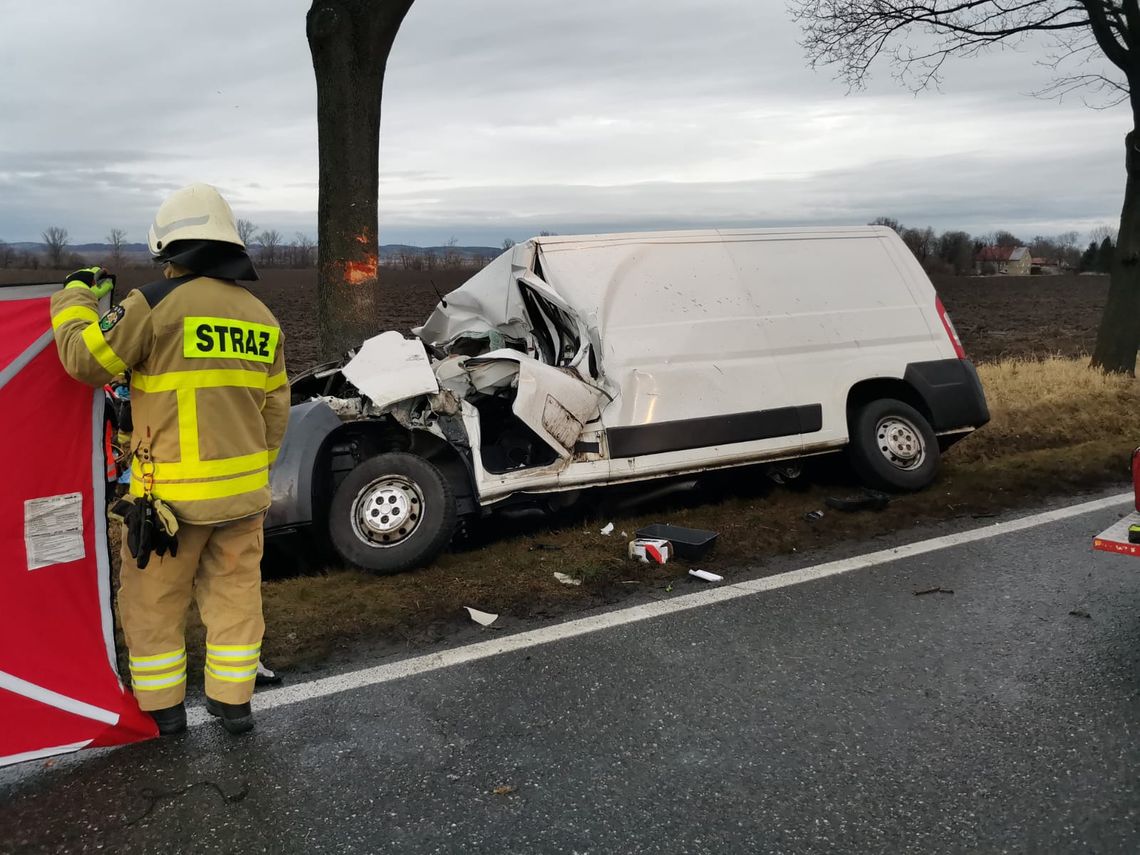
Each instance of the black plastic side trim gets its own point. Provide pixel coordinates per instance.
(952, 392)
(685, 434)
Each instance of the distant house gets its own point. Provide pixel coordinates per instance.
(1006, 260)
(1047, 266)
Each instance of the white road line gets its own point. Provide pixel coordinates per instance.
(582, 626)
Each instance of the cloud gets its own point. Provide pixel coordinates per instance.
(503, 117)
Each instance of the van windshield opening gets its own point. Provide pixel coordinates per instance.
(554, 330)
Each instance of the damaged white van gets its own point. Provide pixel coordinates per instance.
(576, 362)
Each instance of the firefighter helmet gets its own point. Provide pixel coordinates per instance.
(197, 212)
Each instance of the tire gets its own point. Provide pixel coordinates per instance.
(893, 446)
(419, 526)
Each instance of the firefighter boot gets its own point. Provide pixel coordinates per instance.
(171, 720)
(236, 718)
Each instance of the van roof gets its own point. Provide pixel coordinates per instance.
(561, 242)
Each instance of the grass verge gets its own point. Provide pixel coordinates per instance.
(1057, 427)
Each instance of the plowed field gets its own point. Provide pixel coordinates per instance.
(1028, 316)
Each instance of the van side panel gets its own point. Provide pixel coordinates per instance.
(681, 342)
(835, 311)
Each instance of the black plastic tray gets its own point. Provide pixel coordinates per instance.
(690, 543)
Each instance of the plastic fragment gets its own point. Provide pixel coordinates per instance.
(608, 530)
(481, 618)
(567, 580)
(706, 575)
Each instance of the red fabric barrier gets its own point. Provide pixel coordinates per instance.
(59, 688)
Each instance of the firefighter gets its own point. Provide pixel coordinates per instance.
(210, 401)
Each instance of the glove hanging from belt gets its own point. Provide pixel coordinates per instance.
(151, 527)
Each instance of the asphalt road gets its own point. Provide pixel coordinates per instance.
(841, 715)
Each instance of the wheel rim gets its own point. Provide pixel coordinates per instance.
(900, 443)
(387, 511)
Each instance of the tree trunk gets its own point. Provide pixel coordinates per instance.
(1119, 334)
(350, 41)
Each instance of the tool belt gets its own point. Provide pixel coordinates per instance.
(150, 523)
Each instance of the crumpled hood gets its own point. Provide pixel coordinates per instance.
(488, 302)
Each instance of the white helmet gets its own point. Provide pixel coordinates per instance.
(197, 212)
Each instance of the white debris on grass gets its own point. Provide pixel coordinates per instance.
(567, 580)
(481, 618)
(608, 530)
(706, 575)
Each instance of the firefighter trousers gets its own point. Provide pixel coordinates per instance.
(220, 566)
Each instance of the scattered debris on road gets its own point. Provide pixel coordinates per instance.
(649, 551)
(692, 544)
(503, 790)
(923, 593)
(814, 516)
(481, 618)
(1081, 613)
(706, 575)
(567, 580)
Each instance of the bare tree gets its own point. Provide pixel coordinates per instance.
(270, 242)
(956, 248)
(508, 244)
(853, 35)
(7, 255)
(303, 247)
(889, 222)
(246, 231)
(350, 41)
(55, 239)
(452, 257)
(1101, 232)
(115, 240)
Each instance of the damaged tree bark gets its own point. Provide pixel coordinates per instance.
(350, 41)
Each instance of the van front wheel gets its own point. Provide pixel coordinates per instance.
(893, 447)
(392, 512)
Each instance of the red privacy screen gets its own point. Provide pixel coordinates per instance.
(59, 690)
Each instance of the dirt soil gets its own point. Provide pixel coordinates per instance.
(998, 317)
(1001, 317)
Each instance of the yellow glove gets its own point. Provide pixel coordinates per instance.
(97, 279)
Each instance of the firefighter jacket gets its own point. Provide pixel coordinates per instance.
(209, 394)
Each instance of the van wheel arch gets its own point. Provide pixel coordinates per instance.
(357, 441)
(877, 388)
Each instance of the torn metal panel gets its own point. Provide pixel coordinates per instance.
(345, 408)
(493, 371)
(390, 368)
(488, 302)
(553, 402)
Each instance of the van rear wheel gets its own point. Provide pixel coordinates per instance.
(393, 512)
(893, 446)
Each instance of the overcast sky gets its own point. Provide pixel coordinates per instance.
(505, 117)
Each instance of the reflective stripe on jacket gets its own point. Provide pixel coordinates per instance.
(209, 393)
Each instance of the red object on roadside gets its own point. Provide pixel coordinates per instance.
(1136, 477)
(59, 687)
